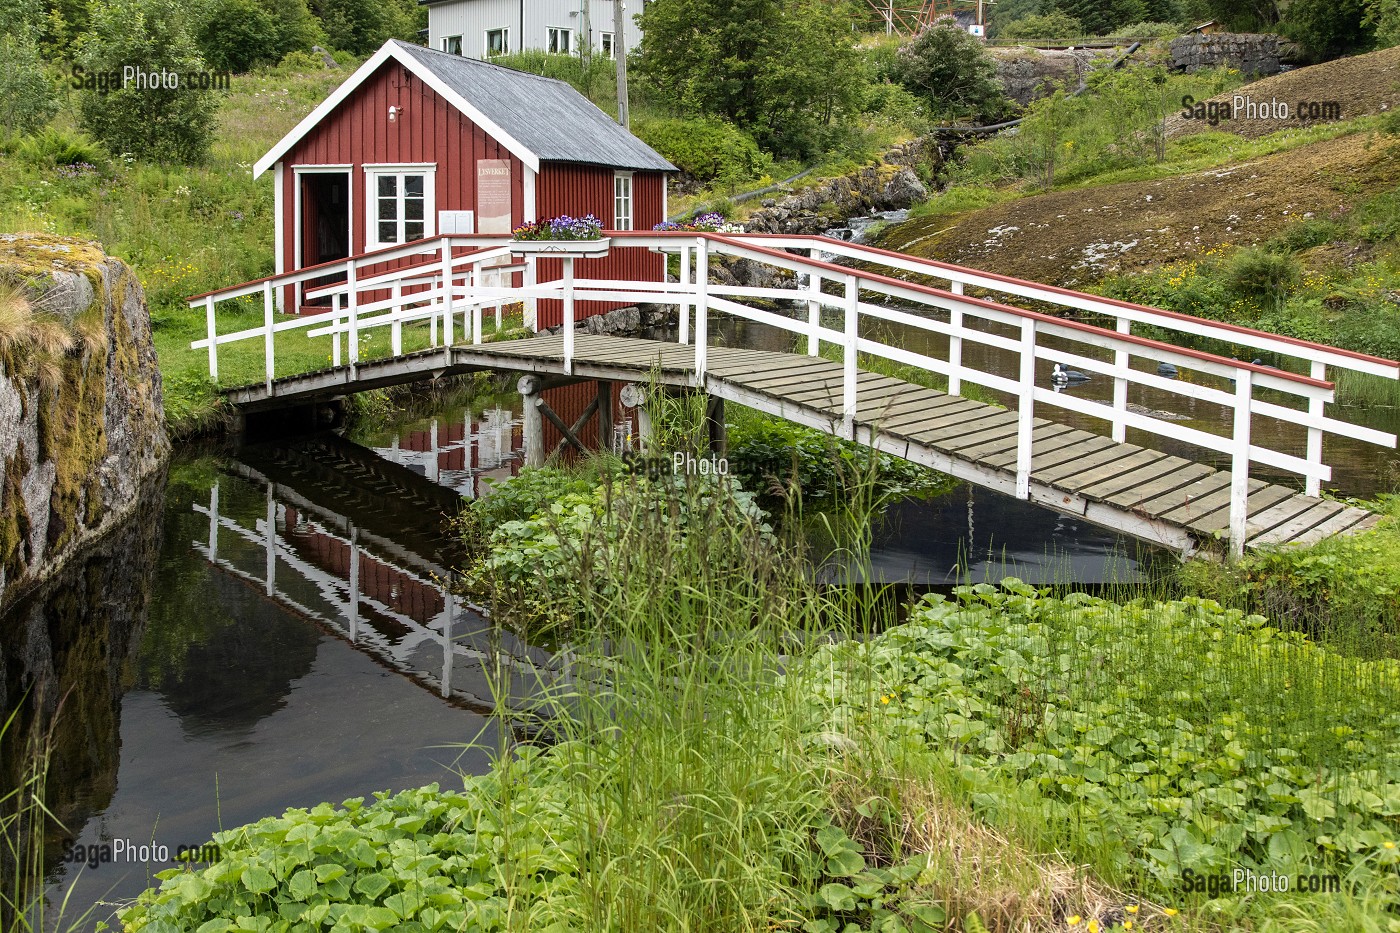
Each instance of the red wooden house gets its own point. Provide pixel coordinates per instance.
(418, 142)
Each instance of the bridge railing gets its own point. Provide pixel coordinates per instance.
(452, 280)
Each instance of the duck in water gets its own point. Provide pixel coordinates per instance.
(1067, 377)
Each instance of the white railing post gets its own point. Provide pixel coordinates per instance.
(446, 293)
(335, 337)
(532, 311)
(849, 357)
(213, 339)
(955, 322)
(433, 318)
(1239, 461)
(702, 307)
(568, 315)
(352, 307)
(269, 354)
(476, 304)
(396, 328)
(684, 281)
(1025, 410)
(1316, 408)
(814, 314)
(1121, 359)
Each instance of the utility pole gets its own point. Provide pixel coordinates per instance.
(585, 46)
(620, 52)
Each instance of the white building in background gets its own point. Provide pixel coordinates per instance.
(483, 28)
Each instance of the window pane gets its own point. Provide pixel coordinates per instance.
(388, 185)
(413, 231)
(388, 209)
(413, 186)
(413, 209)
(388, 232)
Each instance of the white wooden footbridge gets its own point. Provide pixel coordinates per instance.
(845, 297)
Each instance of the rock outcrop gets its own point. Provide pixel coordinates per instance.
(1027, 74)
(81, 420)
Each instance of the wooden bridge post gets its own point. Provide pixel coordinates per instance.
(1122, 360)
(955, 321)
(714, 426)
(446, 293)
(1025, 411)
(533, 421)
(352, 305)
(568, 315)
(336, 323)
(1316, 408)
(1239, 461)
(396, 328)
(269, 354)
(684, 281)
(849, 359)
(605, 415)
(213, 333)
(814, 314)
(702, 306)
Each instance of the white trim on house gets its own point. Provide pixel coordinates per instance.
(297, 171)
(623, 201)
(486, 53)
(447, 42)
(373, 171)
(392, 51)
(564, 33)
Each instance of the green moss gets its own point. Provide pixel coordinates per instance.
(14, 519)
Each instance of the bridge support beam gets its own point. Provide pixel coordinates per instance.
(714, 426)
(533, 420)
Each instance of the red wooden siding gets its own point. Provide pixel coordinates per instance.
(576, 190)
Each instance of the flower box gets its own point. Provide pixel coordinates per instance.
(561, 248)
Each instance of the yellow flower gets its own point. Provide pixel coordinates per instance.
(1131, 908)
(885, 700)
(1127, 924)
(1073, 921)
(1390, 845)
(1093, 926)
(1170, 911)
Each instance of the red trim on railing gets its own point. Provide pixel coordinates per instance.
(1069, 292)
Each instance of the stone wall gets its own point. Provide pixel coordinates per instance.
(1250, 53)
(81, 417)
(1028, 74)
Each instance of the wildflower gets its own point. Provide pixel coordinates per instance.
(1389, 845)
(1170, 911)
(885, 700)
(1073, 921)
(1093, 926)
(1131, 908)
(1127, 924)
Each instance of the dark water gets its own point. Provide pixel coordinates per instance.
(272, 630)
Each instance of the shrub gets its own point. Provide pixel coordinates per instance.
(952, 72)
(1262, 274)
(240, 35)
(54, 147)
(706, 148)
(28, 99)
(1054, 25)
(159, 124)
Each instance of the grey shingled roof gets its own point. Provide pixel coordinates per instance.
(546, 116)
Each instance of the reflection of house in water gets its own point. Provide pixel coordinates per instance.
(459, 454)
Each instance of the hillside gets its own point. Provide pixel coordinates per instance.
(1078, 235)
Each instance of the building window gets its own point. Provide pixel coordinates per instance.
(401, 204)
(608, 46)
(622, 201)
(560, 40)
(452, 44)
(497, 42)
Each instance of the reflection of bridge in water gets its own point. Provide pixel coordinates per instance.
(348, 540)
(460, 454)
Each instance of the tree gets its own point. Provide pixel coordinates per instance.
(150, 122)
(950, 69)
(780, 70)
(240, 35)
(1384, 17)
(27, 97)
(361, 26)
(1100, 17)
(1054, 25)
(1326, 29)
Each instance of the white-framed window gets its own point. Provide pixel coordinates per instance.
(606, 43)
(561, 40)
(452, 44)
(622, 201)
(497, 42)
(402, 203)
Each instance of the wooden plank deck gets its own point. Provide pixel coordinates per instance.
(1144, 493)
